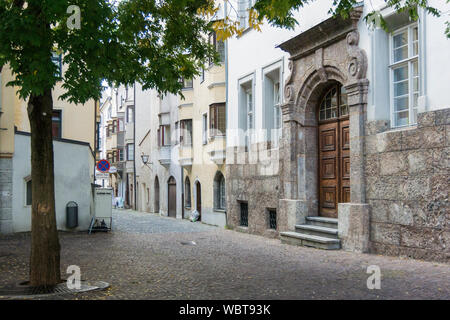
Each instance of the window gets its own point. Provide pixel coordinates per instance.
(243, 214)
(57, 60)
(218, 45)
(217, 119)
(187, 83)
(28, 193)
(334, 105)
(205, 129)
(202, 76)
(243, 11)
(177, 133)
(120, 153)
(114, 126)
(107, 131)
(130, 114)
(130, 151)
(272, 97)
(246, 119)
(276, 106)
(249, 106)
(56, 123)
(121, 127)
(187, 193)
(272, 218)
(186, 132)
(219, 192)
(404, 75)
(164, 135)
(114, 156)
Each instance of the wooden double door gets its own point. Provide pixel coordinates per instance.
(334, 153)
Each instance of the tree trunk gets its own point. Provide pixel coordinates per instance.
(45, 248)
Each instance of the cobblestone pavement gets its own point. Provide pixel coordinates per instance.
(146, 257)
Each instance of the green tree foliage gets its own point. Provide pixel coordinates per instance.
(154, 42)
(280, 13)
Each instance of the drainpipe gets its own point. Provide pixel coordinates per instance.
(134, 143)
(226, 96)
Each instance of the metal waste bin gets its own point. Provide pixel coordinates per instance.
(71, 215)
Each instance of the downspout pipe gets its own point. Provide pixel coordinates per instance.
(226, 95)
(134, 145)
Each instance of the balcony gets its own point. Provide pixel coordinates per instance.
(185, 156)
(217, 149)
(164, 156)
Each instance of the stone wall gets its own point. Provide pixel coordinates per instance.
(408, 182)
(6, 225)
(251, 179)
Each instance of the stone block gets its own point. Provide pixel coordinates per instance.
(401, 213)
(440, 187)
(415, 187)
(442, 116)
(441, 160)
(393, 163)
(385, 233)
(291, 212)
(372, 165)
(425, 238)
(420, 161)
(354, 226)
(432, 214)
(426, 119)
(423, 138)
(379, 210)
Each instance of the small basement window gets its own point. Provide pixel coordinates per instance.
(244, 214)
(28, 198)
(272, 218)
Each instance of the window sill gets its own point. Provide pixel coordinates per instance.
(220, 210)
(402, 128)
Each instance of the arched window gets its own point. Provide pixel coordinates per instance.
(219, 192)
(334, 104)
(187, 193)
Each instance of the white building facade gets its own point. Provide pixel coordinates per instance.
(360, 163)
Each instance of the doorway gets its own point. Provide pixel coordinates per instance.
(198, 202)
(334, 151)
(156, 195)
(172, 198)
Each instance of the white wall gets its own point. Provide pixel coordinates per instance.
(254, 50)
(74, 167)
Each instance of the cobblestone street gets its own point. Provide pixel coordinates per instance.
(151, 257)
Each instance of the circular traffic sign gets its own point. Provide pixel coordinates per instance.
(103, 166)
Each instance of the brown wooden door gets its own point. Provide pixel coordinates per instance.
(334, 152)
(199, 200)
(328, 169)
(172, 207)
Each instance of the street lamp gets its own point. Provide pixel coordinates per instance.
(144, 158)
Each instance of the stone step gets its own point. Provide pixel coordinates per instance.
(317, 230)
(308, 240)
(322, 222)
